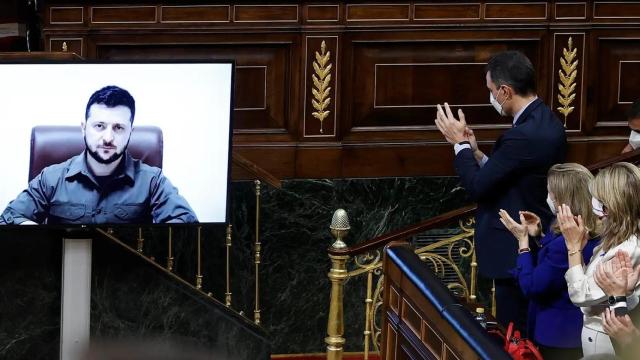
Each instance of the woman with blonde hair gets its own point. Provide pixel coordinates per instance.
(615, 200)
(555, 322)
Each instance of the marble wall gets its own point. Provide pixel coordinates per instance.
(30, 264)
(295, 237)
(133, 302)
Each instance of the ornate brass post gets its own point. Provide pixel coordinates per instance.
(474, 275)
(227, 294)
(199, 274)
(170, 253)
(337, 275)
(256, 311)
(140, 245)
(493, 298)
(368, 306)
(335, 326)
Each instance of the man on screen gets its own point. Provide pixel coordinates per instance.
(104, 184)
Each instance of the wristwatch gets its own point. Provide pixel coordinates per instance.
(618, 304)
(616, 299)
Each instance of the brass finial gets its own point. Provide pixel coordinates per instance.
(339, 228)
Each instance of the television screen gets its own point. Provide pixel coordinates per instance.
(115, 143)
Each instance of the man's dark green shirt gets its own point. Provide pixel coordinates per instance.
(69, 193)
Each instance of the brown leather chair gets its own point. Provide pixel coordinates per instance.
(55, 144)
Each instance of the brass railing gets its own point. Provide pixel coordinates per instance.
(141, 246)
(453, 258)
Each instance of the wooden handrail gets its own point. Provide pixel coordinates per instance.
(632, 157)
(255, 170)
(442, 219)
(401, 234)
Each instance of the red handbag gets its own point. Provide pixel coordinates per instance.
(518, 347)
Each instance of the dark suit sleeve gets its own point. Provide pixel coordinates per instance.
(515, 152)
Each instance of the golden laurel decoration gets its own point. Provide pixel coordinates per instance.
(567, 85)
(321, 80)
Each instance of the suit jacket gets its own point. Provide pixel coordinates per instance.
(514, 179)
(553, 319)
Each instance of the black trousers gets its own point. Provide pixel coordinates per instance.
(511, 305)
(554, 353)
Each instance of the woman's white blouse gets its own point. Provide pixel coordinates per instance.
(584, 291)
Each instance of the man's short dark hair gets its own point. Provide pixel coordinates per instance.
(112, 96)
(634, 110)
(513, 68)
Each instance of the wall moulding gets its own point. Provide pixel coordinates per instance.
(389, 64)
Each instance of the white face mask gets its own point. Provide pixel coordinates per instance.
(634, 139)
(597, 207)
(496, 104)
(552, 206)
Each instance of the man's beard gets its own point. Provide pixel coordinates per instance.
(94, 154)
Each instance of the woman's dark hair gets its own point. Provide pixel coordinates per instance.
(112, 96)
(512, 68)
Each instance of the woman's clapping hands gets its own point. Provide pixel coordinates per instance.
(572, 228)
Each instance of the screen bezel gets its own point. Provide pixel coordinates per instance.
(39, 60)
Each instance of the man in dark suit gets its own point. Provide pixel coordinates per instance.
(513, 177)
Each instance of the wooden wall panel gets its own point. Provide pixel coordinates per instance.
(431, 338)
(619, 82)
(616, 10)
(450, 11)
(392, 62)
(66, 15)
(378, 12)
(124, 14)
(387, 159)
(250, 88)
(629, 71)
(265, 13)
(262, 80)
(324, 158)
(516, 11)
(322, 13)
(570, 11)
(396, 85)
(71, 44)
(195, 14)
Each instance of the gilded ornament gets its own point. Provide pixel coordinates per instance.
(321, 89)
(567, 85)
